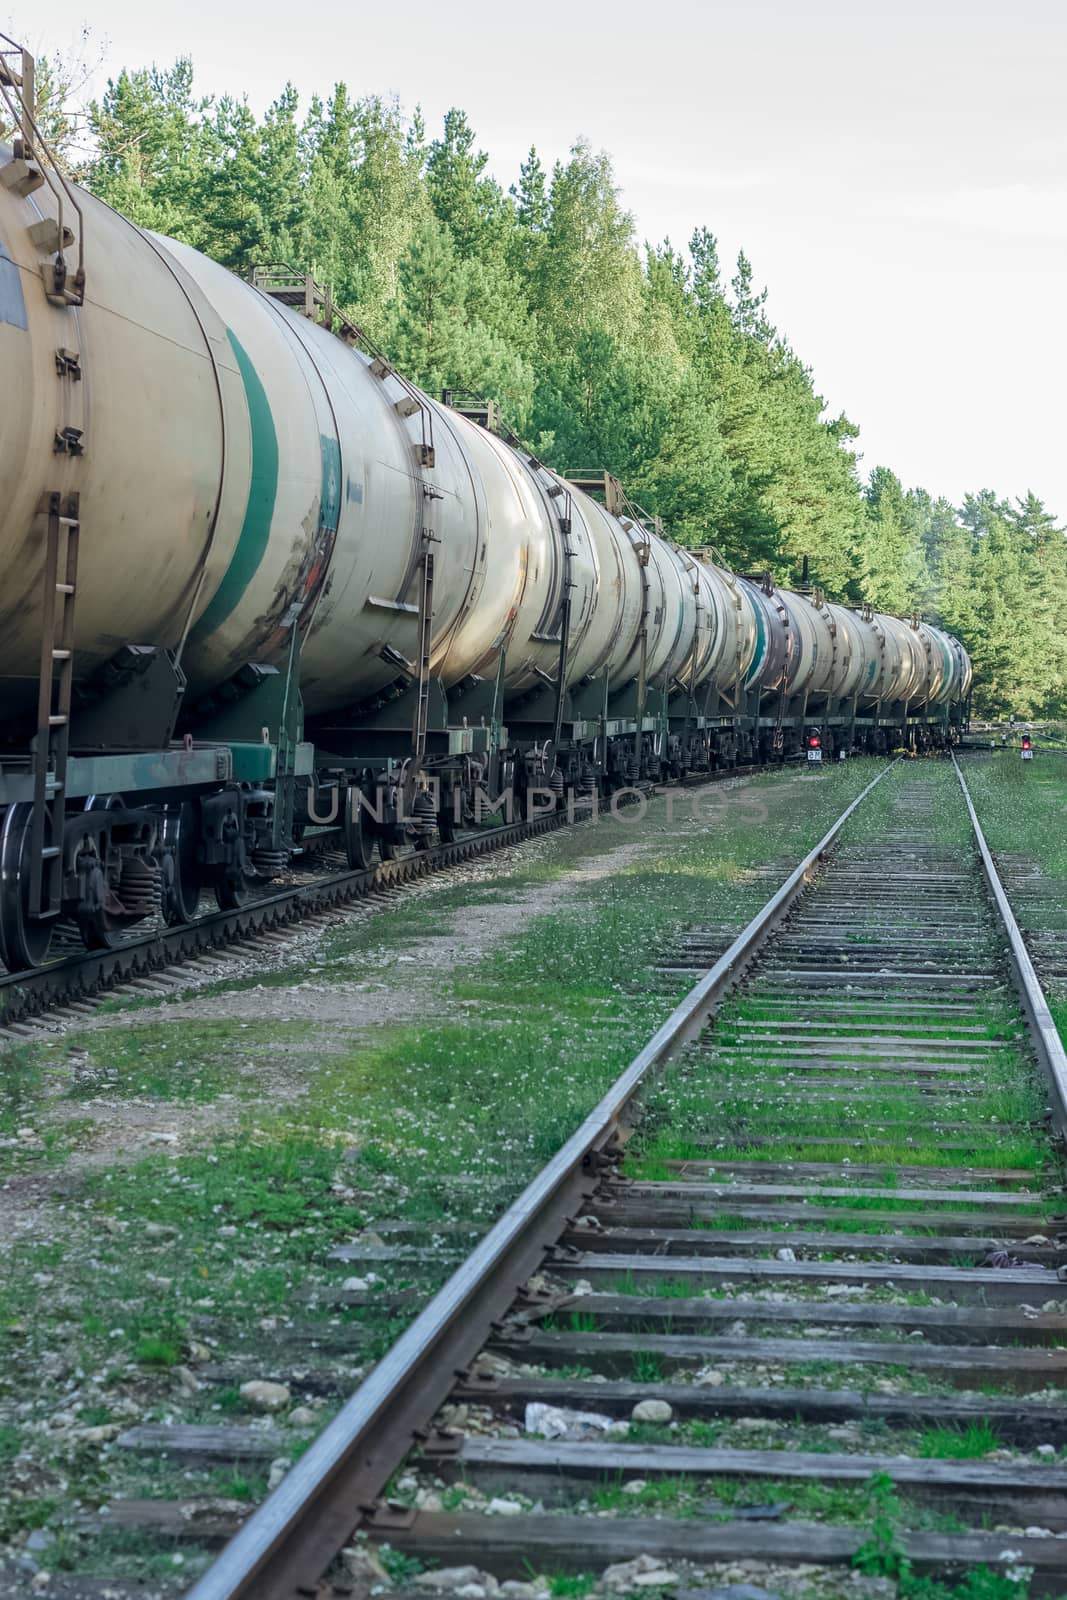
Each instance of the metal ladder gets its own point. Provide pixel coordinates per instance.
(53, 702)
(422, 697)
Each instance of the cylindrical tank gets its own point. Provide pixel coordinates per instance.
(771, 665)
(812, 645)
(736, 667)
(724, 639)
(342, 509)
(242, 473)
(153, 434)
(907, 682)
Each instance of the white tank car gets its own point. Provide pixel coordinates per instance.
(948, 665)
(735, 634)
(190, 465)
(148, 424)
(242, 472)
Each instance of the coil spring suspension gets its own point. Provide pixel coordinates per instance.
(555, 783)
(269, 863)
(424, 812)
(633, 769)
(589, 779)
(140, 887)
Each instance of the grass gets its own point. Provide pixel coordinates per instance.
(958, 1444)
(437, 1121)
(227, 1240)
(1021, 807)
(158, 1061)
(714, 1498)
(571, 1585)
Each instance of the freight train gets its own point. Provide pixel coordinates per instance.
(256, 587)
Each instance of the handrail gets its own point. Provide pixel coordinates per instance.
(278, 275)
(16, 88)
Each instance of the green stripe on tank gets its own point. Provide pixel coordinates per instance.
(760, 654)
(262, 493)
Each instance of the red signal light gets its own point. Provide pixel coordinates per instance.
(1026, 744)
(814, 741)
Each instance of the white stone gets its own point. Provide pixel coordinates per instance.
(643, 1572)
(709, 1377)
(651, 1411)
(785, 1254)
(447, 1578)
(558, 1422)
(361, 1562)
(504, 1508)
(302, 1417)
(1046, 1450)
(635, 1486)
(278, 1468)
(262, 1395)
(355, 1286)
(99, 1435)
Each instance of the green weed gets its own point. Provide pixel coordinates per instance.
(966, 1443)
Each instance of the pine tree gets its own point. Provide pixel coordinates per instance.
(470, 205)
(603, 356)
(892, 574)
(150, 160)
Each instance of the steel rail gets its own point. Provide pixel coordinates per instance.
(1046, 1037)
(292, 1537)
(27, 993)
(36, 990)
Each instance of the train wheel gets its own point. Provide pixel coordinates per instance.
(181, 891)
(230, 894)
(359, 846)
(24, 940)
(99, 930)
(446, 824)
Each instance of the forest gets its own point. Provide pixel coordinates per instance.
(658, 363)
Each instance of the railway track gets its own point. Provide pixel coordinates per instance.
(1035, 896)
(68, 985)
(790, 1295)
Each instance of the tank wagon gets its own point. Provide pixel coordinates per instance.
(257, 589)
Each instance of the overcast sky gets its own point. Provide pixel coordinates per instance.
(895, 169)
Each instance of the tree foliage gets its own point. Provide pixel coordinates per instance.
(654, 364)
